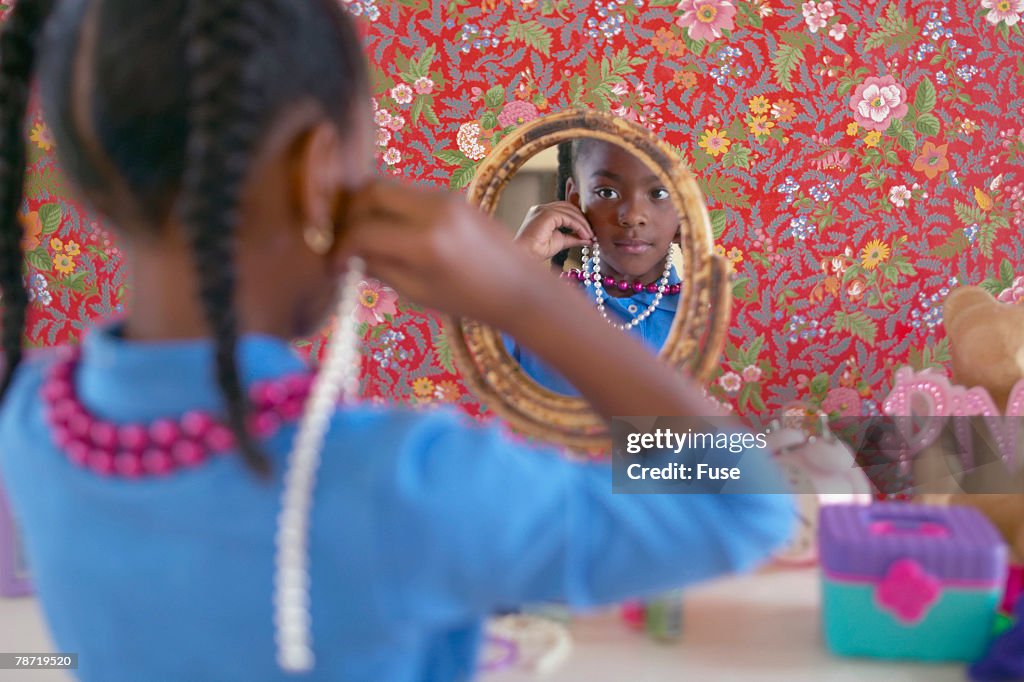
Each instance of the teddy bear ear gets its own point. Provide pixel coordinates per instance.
(963, 298)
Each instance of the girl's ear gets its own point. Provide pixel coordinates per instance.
(315, 177)
(572, 193)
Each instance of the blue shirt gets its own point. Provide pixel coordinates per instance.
(422, 524)
(653, 331)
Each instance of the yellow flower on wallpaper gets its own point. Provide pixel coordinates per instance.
(56, 244)
(872, 138)
(64, 264)
(853, 129)
(760, 125)
(423, 387)
(984, 200)
(874, 253)
(42, 136)
(72, 248)
(760, 105)
(720, 250)
(714, 142)
(735, 256)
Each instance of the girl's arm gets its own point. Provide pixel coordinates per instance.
(471, 522)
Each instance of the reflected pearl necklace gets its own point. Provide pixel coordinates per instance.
(592, 276)
(339, 375)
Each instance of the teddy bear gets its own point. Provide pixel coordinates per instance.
(986, 340)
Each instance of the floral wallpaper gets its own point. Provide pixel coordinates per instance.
(859, 160)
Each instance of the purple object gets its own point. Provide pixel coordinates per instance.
(500, 653)
(954, 544)
(14, 577)
(1004, 661)
(909, 581)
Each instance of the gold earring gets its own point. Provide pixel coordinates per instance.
(318, 240)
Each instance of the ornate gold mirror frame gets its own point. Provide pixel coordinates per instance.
(697, 336)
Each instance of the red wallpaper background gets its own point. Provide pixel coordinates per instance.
(859, 159)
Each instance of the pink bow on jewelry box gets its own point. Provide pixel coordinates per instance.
(927, 399)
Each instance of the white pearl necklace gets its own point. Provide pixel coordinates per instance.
(338, 375)
(592, 275)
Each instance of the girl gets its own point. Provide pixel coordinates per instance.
(230, 143)
(618, 211)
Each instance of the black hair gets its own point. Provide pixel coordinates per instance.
(157, 108)
(568, 155)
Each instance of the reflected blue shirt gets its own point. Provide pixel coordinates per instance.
(653, 331)
(423, 523)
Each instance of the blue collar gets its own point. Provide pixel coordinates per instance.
(142, 380)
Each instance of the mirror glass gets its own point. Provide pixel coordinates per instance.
(605, 222)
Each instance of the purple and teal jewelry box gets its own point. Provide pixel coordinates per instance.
(904, 580)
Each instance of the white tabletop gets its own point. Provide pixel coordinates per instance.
(758, 627)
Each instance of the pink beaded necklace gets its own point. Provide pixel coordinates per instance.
(623, 284)
(163, 446)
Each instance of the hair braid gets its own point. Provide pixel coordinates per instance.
(17, 59)
(221, 39)
(565, 168)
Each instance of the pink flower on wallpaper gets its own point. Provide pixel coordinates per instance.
(392, 156)
(1013, 293)
(517, 112)
(706, 19)
(402, 93)
(751, 373)
(730, 381)
(815, 22)
(423, 86)
(838, 32)
(899, 196)
(382, 117)
(375, 301)
(844, 401)
(877, 101)
(383, 137)
(907, 591)
(396, 123)
(1003, 10)
(816, 14)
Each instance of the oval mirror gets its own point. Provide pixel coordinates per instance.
(615, 212)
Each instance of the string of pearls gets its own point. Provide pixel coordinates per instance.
(338, 376)
(592, 275)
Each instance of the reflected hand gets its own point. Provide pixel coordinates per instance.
(551, 228)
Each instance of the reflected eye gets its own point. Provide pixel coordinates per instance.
(606, 193)
(660, 194)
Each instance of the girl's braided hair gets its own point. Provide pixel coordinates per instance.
(158, 107)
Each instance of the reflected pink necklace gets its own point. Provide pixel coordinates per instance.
(610, 282)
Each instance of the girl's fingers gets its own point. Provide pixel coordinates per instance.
(568, 242)
(574, 222)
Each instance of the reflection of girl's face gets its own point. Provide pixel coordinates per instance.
(630, 211)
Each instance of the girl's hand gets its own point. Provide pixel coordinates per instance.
(435, 249)
(551, 228)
